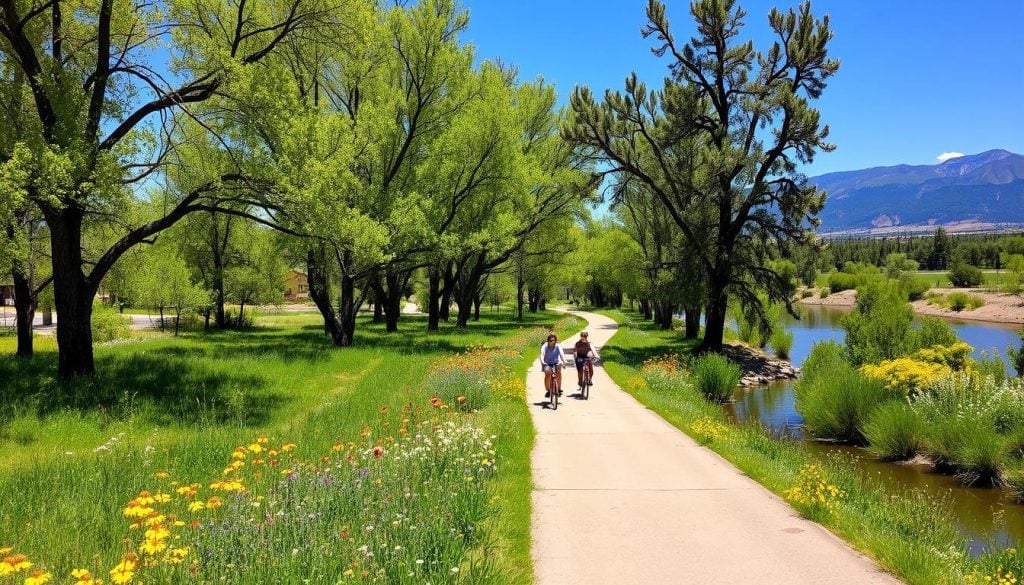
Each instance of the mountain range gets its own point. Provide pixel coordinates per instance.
(980, 192)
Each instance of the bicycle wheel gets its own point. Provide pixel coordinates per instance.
(586, 386)
(554, 392)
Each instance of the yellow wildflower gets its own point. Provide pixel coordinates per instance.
(196, 506)
(38, 577)
(255, 448)
(124, 572)
(151, 546)
(288, 447)
(83, 577)
(14, 564)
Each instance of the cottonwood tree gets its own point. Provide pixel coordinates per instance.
(100, 99)
(163, 283)
(723, 137)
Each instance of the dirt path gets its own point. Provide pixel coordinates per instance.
(623, 497)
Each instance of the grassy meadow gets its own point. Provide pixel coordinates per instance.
(102, 476)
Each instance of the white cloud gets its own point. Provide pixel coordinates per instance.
(948, 155)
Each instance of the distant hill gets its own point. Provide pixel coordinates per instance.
(969, 193)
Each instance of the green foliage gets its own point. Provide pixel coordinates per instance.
(877, 329)
(966, 276)
(957, 301)
(897, 265)
(716, 376)
(781, 342)
(108, 324)
(834, 398)
(1016, 355)
(916, 288)
(894, 431)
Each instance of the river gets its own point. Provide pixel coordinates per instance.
(984, 515)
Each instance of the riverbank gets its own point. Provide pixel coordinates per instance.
(911, 532)
(758, 367)
(998, 307)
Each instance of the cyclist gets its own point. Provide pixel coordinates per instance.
(552, 357)
(585, 354)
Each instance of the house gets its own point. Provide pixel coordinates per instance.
(296, 286)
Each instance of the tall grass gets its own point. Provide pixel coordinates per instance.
(183, 405)
(782, 342)
(894, 431)
(716, 376)
(834, 398)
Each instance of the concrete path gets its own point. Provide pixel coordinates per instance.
(623, 497)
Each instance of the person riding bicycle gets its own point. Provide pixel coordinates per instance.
(584, 354)
(551, 358)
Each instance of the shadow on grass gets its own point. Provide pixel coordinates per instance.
(647, 341)
(209, 377)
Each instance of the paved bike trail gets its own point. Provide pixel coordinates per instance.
(621, 496)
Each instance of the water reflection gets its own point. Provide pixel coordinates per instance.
(984, 515)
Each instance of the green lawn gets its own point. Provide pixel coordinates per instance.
(907, 532)
(74, 454)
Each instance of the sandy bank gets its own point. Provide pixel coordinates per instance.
(998, 308)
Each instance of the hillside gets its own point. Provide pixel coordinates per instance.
(969, 193)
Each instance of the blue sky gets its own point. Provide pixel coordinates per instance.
(918, 78)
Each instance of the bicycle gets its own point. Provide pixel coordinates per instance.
(585, 380)
(556, 388)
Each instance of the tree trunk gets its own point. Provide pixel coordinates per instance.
(24, 310)
(714, 328)
(434, 300)
(645, 308)
(220, 320)
(162, 324)
(378, 310)
(692, 322)
(520, 286)
(348, 308)
(177, 321)
(477, 300)
(533, 297)
(447, 288)
(666, 316)
(72, 295)
(319, 291)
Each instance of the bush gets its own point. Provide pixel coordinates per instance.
(108, 324)
(894, 431)
(840, 281)
(823, 294)
(957, 301)
(878, 328)
(782, 342)
(834, 398)
(916, 289)
(929, 332)
(906, 376)
(966, 276)
(716, 376)
(806, 293)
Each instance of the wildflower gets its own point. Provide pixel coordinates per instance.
(238, 454)
(288, 447)
(161, 475)
(124, 572)
(255, 448)
(14, 564)
(196, 506)
(152, 546)
(83, 577)
(384, 409)
(162, 498)
(366, 432)
(177, 556)
(214, 502)
(378, 452)
(38, 577)
(262, 440)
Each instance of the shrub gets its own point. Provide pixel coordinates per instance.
(108, 324)
(906, 376)
(959, 301)
(990, 365)
(834, 398)
(966, 276)
(894, 431)
(840, 281)
(824, 293)
(806, 293)
(931, 331)
(878, 328)
(916, 289)
(782, 342)
(716, 376)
